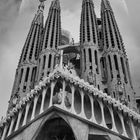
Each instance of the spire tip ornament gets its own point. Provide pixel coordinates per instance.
(41, 6)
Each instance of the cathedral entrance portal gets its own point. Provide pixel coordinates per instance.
(56, 129)
(98, 137)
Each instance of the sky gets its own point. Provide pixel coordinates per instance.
(15, 20)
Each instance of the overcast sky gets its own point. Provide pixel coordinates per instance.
(15, 19)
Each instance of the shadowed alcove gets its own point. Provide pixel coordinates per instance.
(98, 137)
(56, 129)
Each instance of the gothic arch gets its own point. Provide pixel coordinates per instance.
(87, 106)
(21, 74)
(90, 55)
(77, 101)
(108, 118)
(58, 87)
(44, 62)
(84, 52)
(128, 127)
(50, 60)
(68, 97)
(97, 111)
(96, 60)
(57, 92)
(54, 127)
(27, 74)
(118, 122)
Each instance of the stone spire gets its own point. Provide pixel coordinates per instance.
(27, 67)
(112, 36)
(119, 82)
(39, 16)
(52, 26)
(31, 46)
(88, 28)
(90, 69)
(52, 38)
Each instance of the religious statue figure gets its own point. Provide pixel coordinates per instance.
(57, 98)
(90, 78)
(120, 87)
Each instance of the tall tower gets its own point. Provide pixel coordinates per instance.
(27, 67)
(51, 40)
(89, 43)
(114, 58)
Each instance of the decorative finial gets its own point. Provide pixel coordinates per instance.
(41, 6)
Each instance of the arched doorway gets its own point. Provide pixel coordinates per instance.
(56, 129)
(98, 137)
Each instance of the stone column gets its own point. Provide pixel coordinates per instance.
(103, 116)
(26, 113)
(4, 131)
(123, 126)
(92, 110)
(72, 104)
(64, 94)
(61, 59)
(18, 120)
(34, 107)
(43, 100)
(11, 126)
(113, 120)
(133, 130)
(82, 99)
(51, 97)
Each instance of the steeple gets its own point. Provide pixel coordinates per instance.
(39, 16)
(111, 34)
(52, 38)
(89, 42)
(118, 75)
(88, 27)
(27, 67)
(31, 46)
(52, 26)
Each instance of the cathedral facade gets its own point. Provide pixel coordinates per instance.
(78, 91)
